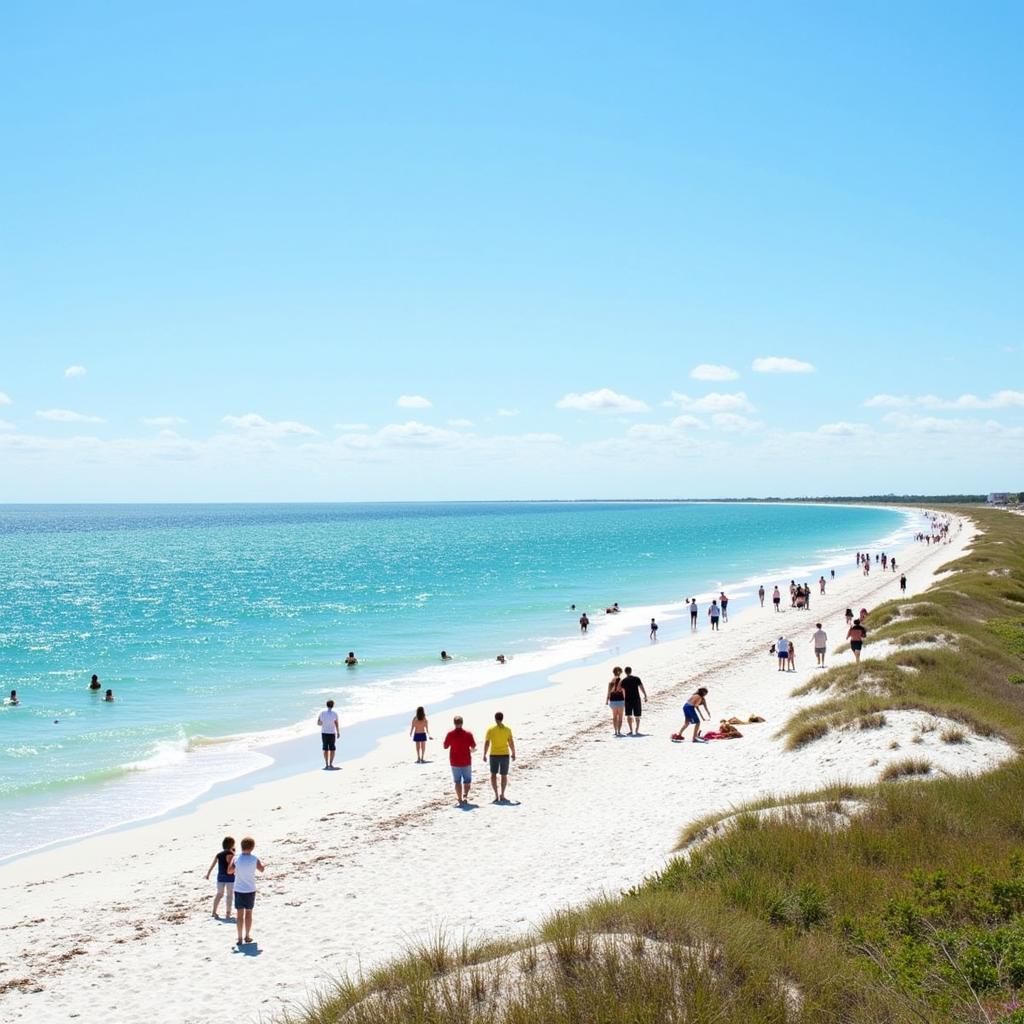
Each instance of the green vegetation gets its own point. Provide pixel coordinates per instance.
(908, 907)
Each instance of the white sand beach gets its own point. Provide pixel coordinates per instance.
(360, 861)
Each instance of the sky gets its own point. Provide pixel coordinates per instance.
(417, 251)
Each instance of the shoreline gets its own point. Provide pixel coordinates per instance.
(350, 852)
(285, 746)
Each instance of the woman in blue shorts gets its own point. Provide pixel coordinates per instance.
(419, 730)
(616, 699)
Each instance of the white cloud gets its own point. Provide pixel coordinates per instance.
(713, 371)
(508, 412)
(682, 422)
(75, 371)
(602, 400)
(255, 424)
(843, 429)
(66, 416)
(413, 402)
(781, 364)
(1006, 399)
(6, 425)
(350, 427)
(715, 401)
(734, 423)
(461, 424)
(163, 421)
(5, 399)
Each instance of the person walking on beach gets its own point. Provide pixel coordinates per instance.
(791, 656)
(225, 880)
(820, 641)
(821, 585)
(330, 730)
(695, 707)
(713, 613)
(693, 615)
(776, 597)
(760, 594)
(724, 601)
(654, 630)
(633, 687)
(584, 622)
(419, 730)
(903, 583)
(782, 650)
(615, 698)
(460, 746)
(498, 741)
(856, 635)
(243, 868)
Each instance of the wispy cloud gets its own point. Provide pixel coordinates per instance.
(714, 401)
(413, 402)
(5, 399)
(602, 400)
(1006, 399)
(781, 364)
(75, 371)
(347, 427)
(66, 416)
(164, 422)
(949, 425)
(6, 425)
(734, 423)
(843, 429)
(460, 424)
(713, 372)
(508, 412)
(255, 424)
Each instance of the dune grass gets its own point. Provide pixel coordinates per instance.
(914, 912)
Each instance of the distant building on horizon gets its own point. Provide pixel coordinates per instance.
(998, 498)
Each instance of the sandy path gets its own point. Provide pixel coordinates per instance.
(117, 927)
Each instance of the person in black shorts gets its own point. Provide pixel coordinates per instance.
(633, 687)
(693, 615)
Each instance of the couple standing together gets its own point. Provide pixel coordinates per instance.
(623, 697)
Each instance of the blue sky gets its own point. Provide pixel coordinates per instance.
(455, 250)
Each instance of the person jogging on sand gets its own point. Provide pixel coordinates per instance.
(692, 714)
(499, 744)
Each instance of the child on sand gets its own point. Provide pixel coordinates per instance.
(225, 880)
(243, 868)
(693, 710)
(419, 730)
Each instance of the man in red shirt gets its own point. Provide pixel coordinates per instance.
(460, 746)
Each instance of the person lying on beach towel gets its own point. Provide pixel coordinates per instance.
(745, 721)
(726, 730)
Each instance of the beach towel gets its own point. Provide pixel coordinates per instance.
(722, 735)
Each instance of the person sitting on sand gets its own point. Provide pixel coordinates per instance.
(856, 635)
(727, 730)
(692, 713)
(225, 880)
(351, 659)
(109, 695)
(445, 656)
(615, 698)
(419, 730)
(94, 683)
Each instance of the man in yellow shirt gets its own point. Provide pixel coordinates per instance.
(499, 744)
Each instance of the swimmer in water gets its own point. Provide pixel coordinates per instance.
(95, 683)
(109, 695)
(351, 659)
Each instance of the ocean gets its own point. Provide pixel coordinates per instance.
(221, 627)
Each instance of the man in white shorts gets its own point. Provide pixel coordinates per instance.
(330, 730)
(820, 641)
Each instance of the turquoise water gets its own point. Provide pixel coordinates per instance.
(226, 621)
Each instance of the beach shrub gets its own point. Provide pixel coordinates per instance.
(909, 766)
